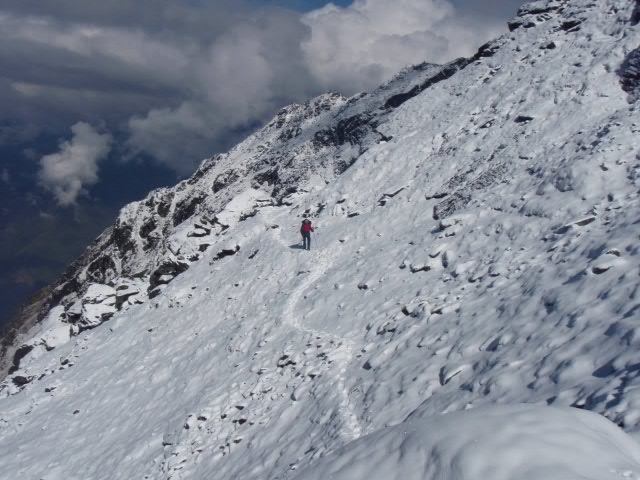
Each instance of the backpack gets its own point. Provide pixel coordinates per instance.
(306, 227)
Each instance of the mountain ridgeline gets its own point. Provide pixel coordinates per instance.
(156, 239)
(476, 244)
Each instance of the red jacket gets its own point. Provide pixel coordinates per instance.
(306, 228)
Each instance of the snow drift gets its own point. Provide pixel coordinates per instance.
(519, 442)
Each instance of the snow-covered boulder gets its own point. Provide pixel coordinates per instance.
(98, 305)
(520, 442)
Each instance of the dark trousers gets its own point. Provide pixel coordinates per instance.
(306, 241)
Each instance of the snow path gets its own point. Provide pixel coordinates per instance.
(320, 263)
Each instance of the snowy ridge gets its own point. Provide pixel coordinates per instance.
(477, 244)
(154, 240)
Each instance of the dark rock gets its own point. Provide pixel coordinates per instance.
(102, 270)
(123, 295)
(436, 195)
(290, 133)
(629, 74)
(21, 381)
(154, 293)
(600, 269)
(518, 23)
(246, 216)
(270, 177)
(571, 25)
(548, 46)
(20, 353)
(227, 252)
(283, 191)
(205, 167)
(585, 221)
(164, 207)
(447, 71)
(168, 268)
(351, 130)
(148, 227)
(487, 50)
(222, 226)
(523, 119)
(534, 8)
(514, 24)
(121, 236)
(224, 180)
(186, 208)
(420, 268)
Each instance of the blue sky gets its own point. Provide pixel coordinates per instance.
(152, 87)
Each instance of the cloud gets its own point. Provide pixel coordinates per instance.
(66, 173)
(364, 44)
(236, 83)
(179, 81)
(4, 176)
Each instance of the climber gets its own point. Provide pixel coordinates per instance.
(305, 230)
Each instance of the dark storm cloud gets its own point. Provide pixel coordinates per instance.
(207, 18)
(181, 80)
(161, 73)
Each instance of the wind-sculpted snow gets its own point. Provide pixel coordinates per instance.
(501, 443)
(476, 245)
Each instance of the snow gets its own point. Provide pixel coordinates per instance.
(500, 269)
(520, 442)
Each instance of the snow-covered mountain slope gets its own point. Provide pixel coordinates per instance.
(519, 442)
(477, 244)
(156, 239)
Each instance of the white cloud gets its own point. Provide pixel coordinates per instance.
(5, 177)
(360, 46)
(66, 173)
(156, 134)
(237, 82)
(183, 89)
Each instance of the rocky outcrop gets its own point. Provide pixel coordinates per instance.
(534, 13)
(16, 332)
(443, 73)
(630, 75)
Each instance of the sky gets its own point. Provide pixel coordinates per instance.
(104, 100)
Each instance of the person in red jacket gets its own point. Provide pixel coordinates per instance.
(305, 230)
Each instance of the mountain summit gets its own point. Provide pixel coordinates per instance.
(476, 245)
